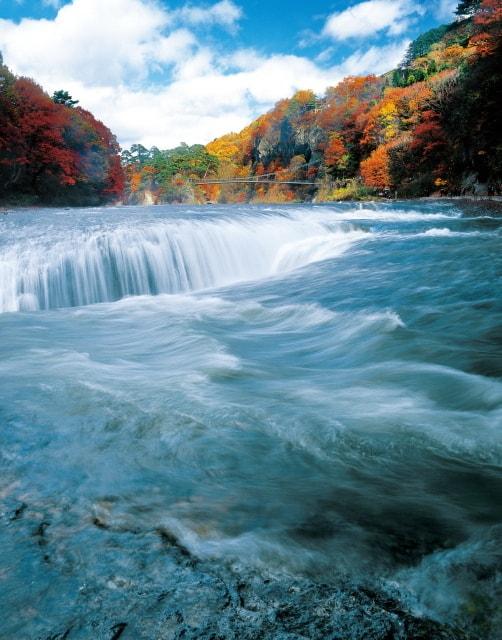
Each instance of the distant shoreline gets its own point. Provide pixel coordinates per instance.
(493, 201)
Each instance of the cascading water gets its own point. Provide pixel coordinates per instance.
(106, 264)
(277, 422)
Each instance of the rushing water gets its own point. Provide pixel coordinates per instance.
(311, 389)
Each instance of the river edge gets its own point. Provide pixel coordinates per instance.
(494, 203)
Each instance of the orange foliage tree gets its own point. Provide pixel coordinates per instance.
(375, 169)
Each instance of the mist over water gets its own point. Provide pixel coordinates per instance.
(313, 390)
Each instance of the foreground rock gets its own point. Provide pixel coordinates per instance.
(105, 580)
(217, 604)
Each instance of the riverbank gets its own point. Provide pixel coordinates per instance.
(492, 203)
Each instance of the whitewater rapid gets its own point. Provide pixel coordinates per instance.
(311, 391)
(102, 264)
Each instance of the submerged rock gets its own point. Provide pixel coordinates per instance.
(146, 584)
(208, 600)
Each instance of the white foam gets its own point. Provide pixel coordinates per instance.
(314, 249)
(438, 232)
(192, 306)
(104, 263)
(387, 320)
(379, 213)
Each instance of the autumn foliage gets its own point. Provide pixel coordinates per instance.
(375, 169)
(430, 126)
(51, 152)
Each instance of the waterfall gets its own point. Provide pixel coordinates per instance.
(110, 261)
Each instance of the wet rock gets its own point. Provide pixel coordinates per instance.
(19, 511)
(214, 602)
(118, 630)
(60, 636)
(168, 538)
(40, 534)
(148, 585)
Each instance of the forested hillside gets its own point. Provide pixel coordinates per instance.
(432, 126)
(52, 151)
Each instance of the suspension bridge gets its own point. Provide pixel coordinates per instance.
(264, 178)
(252, 180)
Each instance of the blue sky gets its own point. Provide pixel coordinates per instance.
(164, 71)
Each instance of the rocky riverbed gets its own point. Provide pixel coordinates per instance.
(160, 590)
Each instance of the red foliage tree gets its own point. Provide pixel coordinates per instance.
(115, 179)
(335, 150)
(488, 19)
(428, 139)
(41, 124)
(52, 151)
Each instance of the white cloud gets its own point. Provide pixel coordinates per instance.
(445, 9)
(225, 13)
(325, 55)
(371, 17)
(376, 60)
(113, 65)
(125, 42)
(203, 101)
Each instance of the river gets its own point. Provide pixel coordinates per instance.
(311, 393)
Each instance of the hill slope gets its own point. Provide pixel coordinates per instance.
(431, 126)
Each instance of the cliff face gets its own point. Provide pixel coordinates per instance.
(286, 141)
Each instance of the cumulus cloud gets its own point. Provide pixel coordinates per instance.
(144, 71)
(126, 41)
(202, 100)
(225, 13)
(378, 60)
(371, 17)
